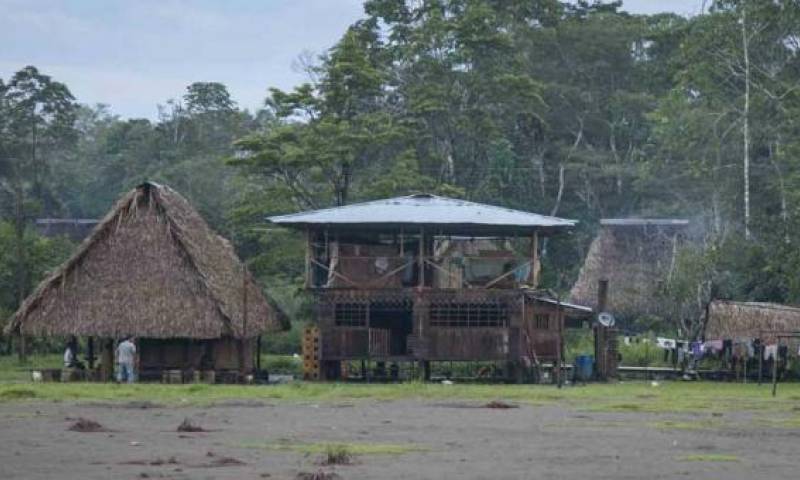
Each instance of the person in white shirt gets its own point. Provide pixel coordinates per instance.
(71, 355)
(126, 353)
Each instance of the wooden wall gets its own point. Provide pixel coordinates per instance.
(185, 354)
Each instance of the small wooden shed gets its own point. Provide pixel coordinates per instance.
(153, 269)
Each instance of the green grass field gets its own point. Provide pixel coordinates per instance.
(12, 371)
(620, 397)
(627, 397)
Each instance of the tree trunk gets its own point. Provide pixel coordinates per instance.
(746, 123)
(19, 230)
(773, 152)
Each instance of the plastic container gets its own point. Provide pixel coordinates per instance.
(584, 367)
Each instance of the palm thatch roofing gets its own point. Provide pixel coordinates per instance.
(151, 268)
(636, 256)
(732, 320)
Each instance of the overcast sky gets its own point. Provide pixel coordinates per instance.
(135, 54)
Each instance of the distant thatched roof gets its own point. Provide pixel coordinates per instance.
(635, 256)
(75, 228)
(151, 268)
(732, 320)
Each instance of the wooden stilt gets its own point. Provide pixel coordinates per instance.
(775, 370)
(535, 265)
(258, 353)
(22, 349)
(90, 352)
(760, 353)
(107, 359)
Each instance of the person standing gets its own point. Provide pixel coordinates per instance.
(71, 355)
(126, 353)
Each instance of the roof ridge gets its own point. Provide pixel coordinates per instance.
(388, 201)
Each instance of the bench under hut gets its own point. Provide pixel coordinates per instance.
(153, 269)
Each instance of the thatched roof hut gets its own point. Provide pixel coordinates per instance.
(635, 256)
(151, 268)
(732, 320)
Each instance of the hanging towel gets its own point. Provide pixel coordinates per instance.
(667, 343)
(770, 351)
(713, 346)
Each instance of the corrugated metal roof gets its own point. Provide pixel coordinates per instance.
(422, 210)
(635, 222)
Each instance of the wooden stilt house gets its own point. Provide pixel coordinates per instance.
(424, 278)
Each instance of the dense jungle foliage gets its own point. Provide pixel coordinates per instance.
(579, 110)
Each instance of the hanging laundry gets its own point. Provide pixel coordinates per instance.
(743, 348)
(697, 350)
(666, 343)
(783, 353)
(712, 346)
(770, 351)
(727, 349)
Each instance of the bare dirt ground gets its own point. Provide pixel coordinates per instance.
(433, 440)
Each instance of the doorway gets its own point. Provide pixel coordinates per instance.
(398, 320)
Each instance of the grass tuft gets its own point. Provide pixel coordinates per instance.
(710, 457)
(337, 454)
(16, 393)
(684, 425)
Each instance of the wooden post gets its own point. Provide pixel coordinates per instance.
(258, 353)
(601, 332)
(760, 353)
(775, 369)
(107, 370)
(560, 340)
(602, 295)
(535, 267)
(90, 352)
(309, 265)
(242, 343)
(137, 359)
(22, 348)
(421, 257)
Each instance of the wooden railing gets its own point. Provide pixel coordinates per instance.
(502, 271)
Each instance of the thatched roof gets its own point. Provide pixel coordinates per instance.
(732, 320)
(151, 268)
(635, 256)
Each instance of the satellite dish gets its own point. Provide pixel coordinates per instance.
(606, 319)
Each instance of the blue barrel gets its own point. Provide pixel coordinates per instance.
(584, 366)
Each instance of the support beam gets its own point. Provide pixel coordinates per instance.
(107, 359)
(258, 353)
(22, 348)
(421, 259)
(309, 256)
(775, 368)
(602, 295)
(535, 262)
(90, 352)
